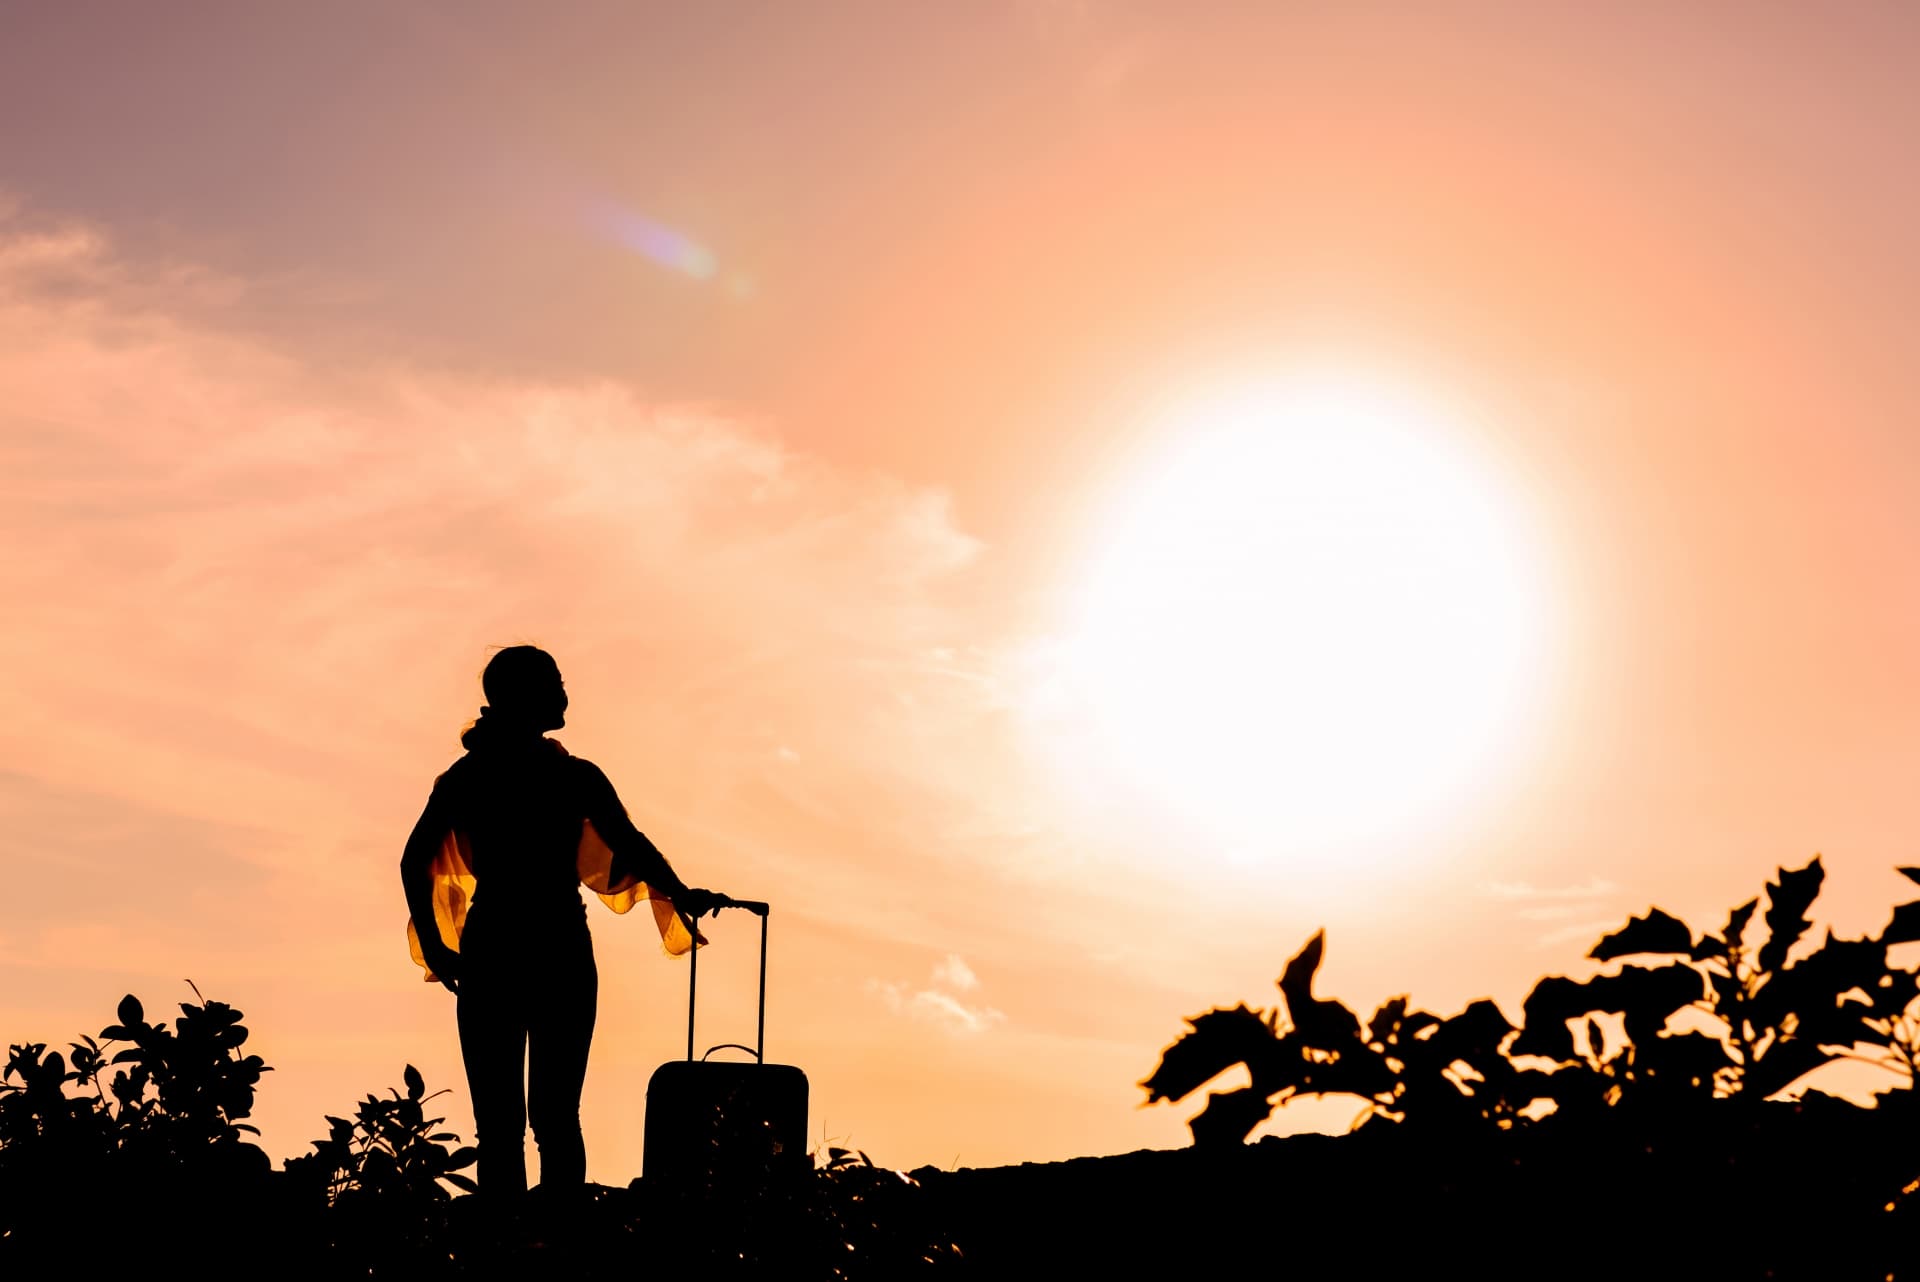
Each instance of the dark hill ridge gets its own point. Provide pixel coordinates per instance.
(1815, 1191)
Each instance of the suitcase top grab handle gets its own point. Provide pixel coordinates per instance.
(761, 909)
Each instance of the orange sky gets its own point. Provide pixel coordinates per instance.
(332, 355)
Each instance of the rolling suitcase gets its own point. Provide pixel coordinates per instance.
(718, 1126)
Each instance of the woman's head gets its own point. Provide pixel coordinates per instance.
(523, 687)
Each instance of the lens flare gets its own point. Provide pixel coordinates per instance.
(666, 246)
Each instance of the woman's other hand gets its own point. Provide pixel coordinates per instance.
(445, 965)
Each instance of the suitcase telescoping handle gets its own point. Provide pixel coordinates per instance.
(760, 909)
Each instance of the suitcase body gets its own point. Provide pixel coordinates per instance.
(723, 1125)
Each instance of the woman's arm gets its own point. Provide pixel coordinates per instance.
(634, 855)
(416, 879)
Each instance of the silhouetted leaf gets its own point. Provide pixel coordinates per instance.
(1911, 874)
(1787, 902)
(1730, 936)
(461, 1182)
(1393, 1024)
(1296, 982)
(461, 1158)
(1473, 1035)
(1813, 985)
(1904, 928)
(1385, 1024)
(1323, 1023)
(1842, 1024)
(416, 1086)
(1657, 932)
(1326, 1023)
(1219, 1040)
(1737, 920)
(1553, 1001)
(130, 1010)
(1646, 996)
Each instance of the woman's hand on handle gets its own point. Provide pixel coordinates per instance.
(695, 903)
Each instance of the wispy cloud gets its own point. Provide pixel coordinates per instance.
(220, 545)
(1586, 931)
(1576, 907)
(1593, 888)
(940, 1002)
(954, 973)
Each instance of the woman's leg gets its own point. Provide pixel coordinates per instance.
(493, 1044)
(560, 1031)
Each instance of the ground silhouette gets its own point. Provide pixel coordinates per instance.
(1489, 1149)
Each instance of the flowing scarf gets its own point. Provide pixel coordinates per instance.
(453, 886)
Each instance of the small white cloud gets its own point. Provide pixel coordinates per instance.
(947, 1009)
(954, 973)
(938, 1003)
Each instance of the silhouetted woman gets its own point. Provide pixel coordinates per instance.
(510, 833)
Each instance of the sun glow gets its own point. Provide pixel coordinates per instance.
(1315, 621)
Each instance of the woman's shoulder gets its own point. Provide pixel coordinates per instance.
(582, 769)
(455, 774)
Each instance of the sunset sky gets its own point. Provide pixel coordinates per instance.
(890, 417)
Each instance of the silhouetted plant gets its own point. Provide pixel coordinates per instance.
(168, 1121)
(1406, 1065)
(181, 1090)
(1772, 1020)
(391, 1149)
(382, 1178)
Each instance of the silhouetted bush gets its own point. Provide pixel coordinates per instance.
(157, 1155)
(1769, 1021)
(1677, 1126)
(383, 1178)
(158, 1143)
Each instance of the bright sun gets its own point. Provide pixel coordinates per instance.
(1316, 621)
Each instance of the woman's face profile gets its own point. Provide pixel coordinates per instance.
(548, 701)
